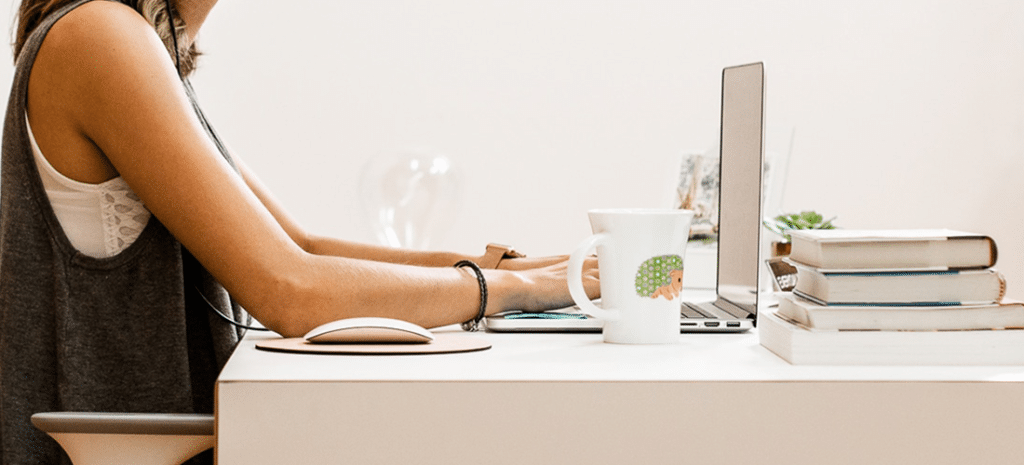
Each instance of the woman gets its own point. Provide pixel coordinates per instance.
(124, 220)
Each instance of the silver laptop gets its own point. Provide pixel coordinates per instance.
(739, 224)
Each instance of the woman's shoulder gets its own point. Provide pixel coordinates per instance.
(97, 28)
(94, 63)
(93, 48)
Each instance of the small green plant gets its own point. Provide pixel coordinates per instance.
(786, 222)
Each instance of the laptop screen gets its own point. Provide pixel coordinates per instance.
(742, 154)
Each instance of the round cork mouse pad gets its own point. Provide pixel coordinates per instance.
(443, 343)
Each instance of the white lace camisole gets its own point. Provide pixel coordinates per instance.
(100, 220)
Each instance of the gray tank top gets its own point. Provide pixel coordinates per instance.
(129, 333)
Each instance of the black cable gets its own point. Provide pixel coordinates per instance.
(225, 317)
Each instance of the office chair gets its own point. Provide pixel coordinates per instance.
(128, 438)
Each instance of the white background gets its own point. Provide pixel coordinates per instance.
(905, 113)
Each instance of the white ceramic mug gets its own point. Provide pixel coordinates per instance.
(640, 256)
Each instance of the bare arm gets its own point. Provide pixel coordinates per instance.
(117, 89)
(323, 245)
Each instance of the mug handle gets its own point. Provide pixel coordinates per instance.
(575, 279)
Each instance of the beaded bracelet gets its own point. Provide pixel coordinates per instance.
(474, 324)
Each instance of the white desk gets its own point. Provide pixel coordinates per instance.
(569, 398)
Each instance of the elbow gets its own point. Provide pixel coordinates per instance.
(283, 326)
(278, 302)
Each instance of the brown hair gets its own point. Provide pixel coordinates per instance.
(32, 12)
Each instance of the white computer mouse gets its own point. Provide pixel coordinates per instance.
(369, 330)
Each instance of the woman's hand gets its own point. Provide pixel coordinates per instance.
(546, 287)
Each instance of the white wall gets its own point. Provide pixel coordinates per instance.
(906, 113)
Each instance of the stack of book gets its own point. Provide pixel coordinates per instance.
(928, 297)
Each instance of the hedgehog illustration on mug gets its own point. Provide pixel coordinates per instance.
(660, 276)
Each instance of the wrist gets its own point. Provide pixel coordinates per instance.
(499, 291)
(494, 255)
(476, 323)
(506, 290)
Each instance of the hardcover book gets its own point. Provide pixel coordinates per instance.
(817, 317)
(800, 346)
(892, 250)
(953, 287)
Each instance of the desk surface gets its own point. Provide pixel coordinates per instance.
(549, 357)
(656, 402)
